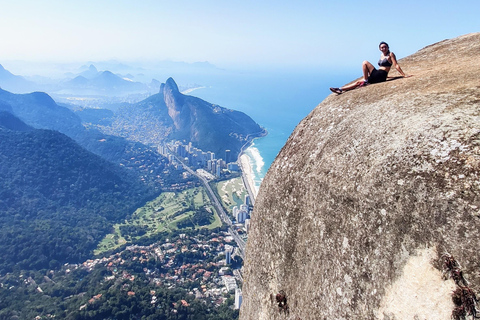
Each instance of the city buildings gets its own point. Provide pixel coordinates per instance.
(238, 298)
(240, 214)
(197, 158)
(230, 283)
(228, 254)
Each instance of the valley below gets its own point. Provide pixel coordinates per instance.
(114, 213)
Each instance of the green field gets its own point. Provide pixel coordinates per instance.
(232, 193)
(169, 211)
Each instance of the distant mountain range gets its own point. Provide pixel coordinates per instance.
(106, 83)
(116, 80)
(11, 82)
(90, 82)
(173, 115)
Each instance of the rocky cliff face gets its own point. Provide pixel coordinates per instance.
(208, 126)
(369, 192)
(173, 115)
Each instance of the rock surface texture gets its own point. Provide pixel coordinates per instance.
(370, 190)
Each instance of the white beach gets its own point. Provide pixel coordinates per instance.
(190, 90)
(247, 173)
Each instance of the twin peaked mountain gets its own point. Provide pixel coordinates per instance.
(173, 115)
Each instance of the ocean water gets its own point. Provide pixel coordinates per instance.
(276, 100)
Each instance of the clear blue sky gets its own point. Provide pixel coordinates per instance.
(228, 33)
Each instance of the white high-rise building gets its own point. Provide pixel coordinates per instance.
(228, 254)
(235, 212)
(247, 225)
(214, 167)
(241, 216)
(247, 200)
(211, 155)
(238, 298)
(228, 154)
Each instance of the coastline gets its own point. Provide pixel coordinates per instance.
(247, 175)
(190, 90)
(243, 161)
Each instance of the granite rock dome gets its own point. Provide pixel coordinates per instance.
(372, 188)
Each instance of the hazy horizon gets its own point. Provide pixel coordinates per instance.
(247, 34)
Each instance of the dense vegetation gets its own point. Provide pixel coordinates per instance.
(57, 200)
(95, 297)
(39, 110)
(95, 116)
(75, 292)
(201, 217)
(9, 121)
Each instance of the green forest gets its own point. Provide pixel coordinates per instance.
(57, 200)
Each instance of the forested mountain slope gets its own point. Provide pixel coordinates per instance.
(57, 200)
(40, 111)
